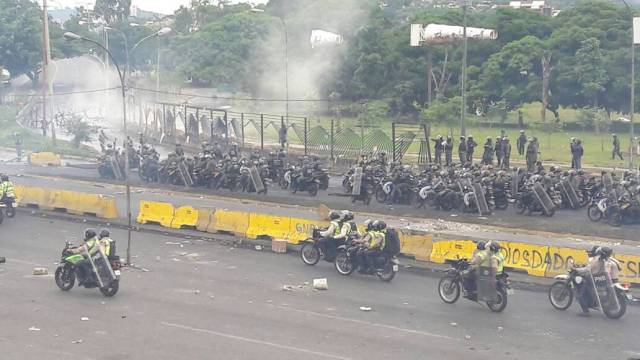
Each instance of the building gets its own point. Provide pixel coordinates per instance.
(540, 6)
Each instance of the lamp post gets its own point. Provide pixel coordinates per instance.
(633, 87)
(122, 76)
(463, 110)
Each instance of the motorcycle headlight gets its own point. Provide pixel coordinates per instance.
(578, 279)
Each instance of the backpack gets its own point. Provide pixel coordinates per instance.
(391, 242)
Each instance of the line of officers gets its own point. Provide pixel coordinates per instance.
(343, 229)
(501, 149)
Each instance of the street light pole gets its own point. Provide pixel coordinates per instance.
(121, 75)
(632, 109)
(463, 110)
(286, 68)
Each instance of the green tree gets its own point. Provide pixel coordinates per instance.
(20, 37)
(112, 10)
(80, 130)
(589, 71)
(442, 111)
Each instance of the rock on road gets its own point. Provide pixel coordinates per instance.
(203, 300)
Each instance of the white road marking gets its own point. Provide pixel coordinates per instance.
(362, 322)
(255, 341)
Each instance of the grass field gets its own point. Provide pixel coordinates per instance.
(32, 142)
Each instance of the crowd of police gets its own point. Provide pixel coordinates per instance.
(486, 186)
(216, 167)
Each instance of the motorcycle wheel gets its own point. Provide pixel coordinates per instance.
(1, 216)
(584, 200)
(501, 304)
(615, 219)
(449, 290)
(549, 213)
(112, 289)
(343, 264)
(381, 196)
(310, 253)
(313, 189)
(11, 212)
(387, 274)
(65, 283)
(621, 311)
(520, 206)
(502, 205)
(418, 203)
(284, 185)
(346, 185)
(560, 295)
(593, 213)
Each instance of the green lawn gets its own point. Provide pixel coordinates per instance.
(32, 141)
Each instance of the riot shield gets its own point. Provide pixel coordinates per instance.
(115, 167)
(612, 198)
(184, 174)
(605, 293)
(101, 267)
(487, 284)
(570, 193)
(543, 198)
(515, 184)
(607, 181)
(256, 179)
(481, 200)
(356, 181)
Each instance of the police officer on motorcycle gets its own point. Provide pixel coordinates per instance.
(600, 260)
(373, 243)
(6, 188)
(89, 247)
(328, 235)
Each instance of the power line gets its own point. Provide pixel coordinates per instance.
(215, 97)
(67, 93)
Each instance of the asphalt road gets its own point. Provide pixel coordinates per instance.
(203, 300)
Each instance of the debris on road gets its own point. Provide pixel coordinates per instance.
(320, 284)
(258, 248)
(79, 341)
(84, 318)
(287, 288)
(197, 292)
(365, 308)
(453, 324)
(33, 328)
(40, 271)
(468, 337)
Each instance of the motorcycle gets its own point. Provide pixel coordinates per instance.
(526, 201)
(10, 205)
(2, 207)
(104, 273)
(316, 248)
(346, 262)
(610, 298)
(311, 186)
(452, 285)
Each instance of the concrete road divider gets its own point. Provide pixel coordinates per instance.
(416, 244)
(72, 202)
(156, 212)
(274, 227)
(302, 229)
(44, 159)
(233, 222)
(184, 216)
(204, 219)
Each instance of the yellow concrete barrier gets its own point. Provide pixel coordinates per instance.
(451, 250)
(526, 257)
(558, 258)
(184, 216)
(419, 245)
(204, 219)
(155, 212)
(630, 268)
(302, 229)
(235, 222)
(44, 159)
(276, 227)
(71, 201)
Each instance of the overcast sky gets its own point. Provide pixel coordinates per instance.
(160, 6)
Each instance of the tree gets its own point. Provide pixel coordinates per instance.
(443, 111)
(589, 70)
(112, 10)
(81, 130)
(20, 37)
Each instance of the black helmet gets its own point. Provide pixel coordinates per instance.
(494, 247)
(481, 245)
(104, 233)
(381, 225)
(595, 250)
(605, 252)
(334, 215)
(89, 234)
(347, 215)
(368, 224)
(4, 178)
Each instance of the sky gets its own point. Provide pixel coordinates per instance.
(160, 6)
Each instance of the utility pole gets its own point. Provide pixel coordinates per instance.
(635, 24)
(463, 110)
(46, 60)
